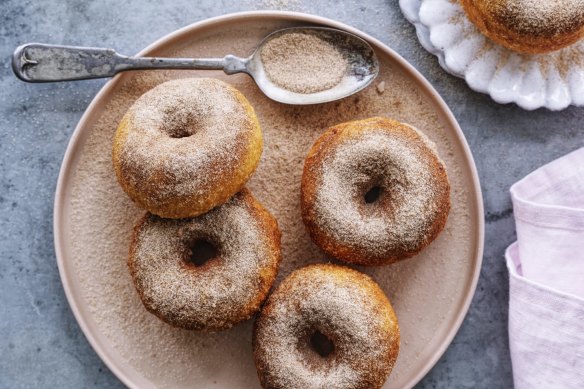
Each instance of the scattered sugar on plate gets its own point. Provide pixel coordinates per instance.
(101, 218)
(381, 87)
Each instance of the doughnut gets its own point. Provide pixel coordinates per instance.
(325, 327)
(374, 192)
(186, 146)
(529, 26)
(208, 272)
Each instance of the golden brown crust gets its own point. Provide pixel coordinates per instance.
(179, 178)
(528, 27)
(364, 354)
(158, 276)
(312, 179)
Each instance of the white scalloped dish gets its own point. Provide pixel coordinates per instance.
(554, 80)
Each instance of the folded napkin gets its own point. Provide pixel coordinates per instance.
(546, 268)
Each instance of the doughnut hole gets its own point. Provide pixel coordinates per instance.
(200, 253)
(373, 194)
(381, 191)
(317, 347)
(321, 344)
(183, 123)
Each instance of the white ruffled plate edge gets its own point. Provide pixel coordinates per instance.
(518, 81)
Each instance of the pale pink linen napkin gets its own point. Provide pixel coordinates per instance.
(546, 268)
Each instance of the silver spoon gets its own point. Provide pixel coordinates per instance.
(36, 62)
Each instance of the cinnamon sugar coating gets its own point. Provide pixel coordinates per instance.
(529, 26)
(221, 292)
(345, 306)
(186, 146)
(411, 200)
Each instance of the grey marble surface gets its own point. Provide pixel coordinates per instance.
(41, 344)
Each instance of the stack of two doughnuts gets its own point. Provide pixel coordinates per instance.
(206, 254)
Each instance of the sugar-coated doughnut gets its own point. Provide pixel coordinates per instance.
(208, 272)
(326, 327)
(374, 191)
(186, 146)
(529, 26)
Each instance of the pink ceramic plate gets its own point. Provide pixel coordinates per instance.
(93, 218)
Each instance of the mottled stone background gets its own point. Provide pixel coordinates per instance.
(41, 345)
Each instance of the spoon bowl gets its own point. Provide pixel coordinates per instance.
(362, 67)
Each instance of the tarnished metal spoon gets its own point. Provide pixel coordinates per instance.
(35, 62)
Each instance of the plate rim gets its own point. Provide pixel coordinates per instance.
(59, 231)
